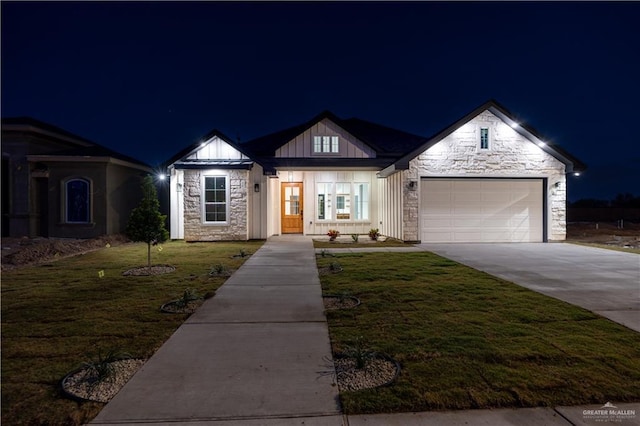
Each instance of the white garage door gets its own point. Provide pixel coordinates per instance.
(481, 210)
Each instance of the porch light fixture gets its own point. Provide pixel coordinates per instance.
(290, 176)
(161, 177)
(576, 174)
(256, 187)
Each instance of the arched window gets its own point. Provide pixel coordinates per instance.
(77, 201)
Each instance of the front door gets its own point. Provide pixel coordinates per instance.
(291, 208)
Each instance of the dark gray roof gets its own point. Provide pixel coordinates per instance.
(388, 143)
(394, 148)
(83, 147)
(178, 158)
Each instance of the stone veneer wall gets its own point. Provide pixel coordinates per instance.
(511, 155)
(236, 228)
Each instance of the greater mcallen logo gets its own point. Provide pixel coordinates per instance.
(609, 413)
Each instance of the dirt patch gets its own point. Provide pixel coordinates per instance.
(141, 271)
(17, 252)
(605, 233)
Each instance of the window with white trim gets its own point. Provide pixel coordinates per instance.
(324, 201)
(484, 138)
(326, 145)
(77, 201)
(350, 201)
(343, 201)
(215, 199)
(361, 201)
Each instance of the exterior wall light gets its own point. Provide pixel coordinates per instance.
(256, 187)
(576, 173)
(515, 125)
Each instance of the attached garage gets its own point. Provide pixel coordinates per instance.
(482, 210)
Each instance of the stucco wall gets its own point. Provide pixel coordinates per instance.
(510, 155)
(236, 227)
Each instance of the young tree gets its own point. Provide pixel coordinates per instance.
(145, 222)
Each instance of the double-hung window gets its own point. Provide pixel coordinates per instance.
(326, 145)
(215, 199)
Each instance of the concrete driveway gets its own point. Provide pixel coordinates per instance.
(604, 281)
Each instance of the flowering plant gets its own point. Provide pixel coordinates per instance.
(374, 234)
(333, 233)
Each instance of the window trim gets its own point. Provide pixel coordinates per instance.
(333, 145)
(489, 138)
(331, 201)
(65, 207)
(203, 198)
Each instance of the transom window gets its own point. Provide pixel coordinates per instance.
(215, 199)
(326, 145)
(77, 201)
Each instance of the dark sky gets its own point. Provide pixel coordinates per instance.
(148, 79)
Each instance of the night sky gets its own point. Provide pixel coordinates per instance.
(148, 79)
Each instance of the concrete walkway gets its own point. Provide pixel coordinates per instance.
(258, 353)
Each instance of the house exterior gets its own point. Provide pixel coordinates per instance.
(57, 184)
(484, 178)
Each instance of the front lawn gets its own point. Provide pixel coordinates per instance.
(57, 315)
(466, 339)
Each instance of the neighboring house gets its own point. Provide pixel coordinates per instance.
(484, 178)
(57, 184)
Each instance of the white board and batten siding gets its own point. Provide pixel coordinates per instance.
(302, 145)
(481, 210)
(216, 149)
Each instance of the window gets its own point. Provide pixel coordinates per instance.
(215, 199)
(343, 201)
(77, 201)
(361, 201)
(484, 138)
(351, 201)
(324, 201)
(325, 145)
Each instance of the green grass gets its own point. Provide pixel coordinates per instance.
(466, 339)
(58, 315)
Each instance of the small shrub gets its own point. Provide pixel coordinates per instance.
(355, 237)
(335, 267)
(374, 234)
(218, 269)
(101, 367)
(189, 295)
(333, 234)
(361, 354)
(343, 296)
(243, 253)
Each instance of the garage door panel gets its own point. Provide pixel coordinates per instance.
(477, 210)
